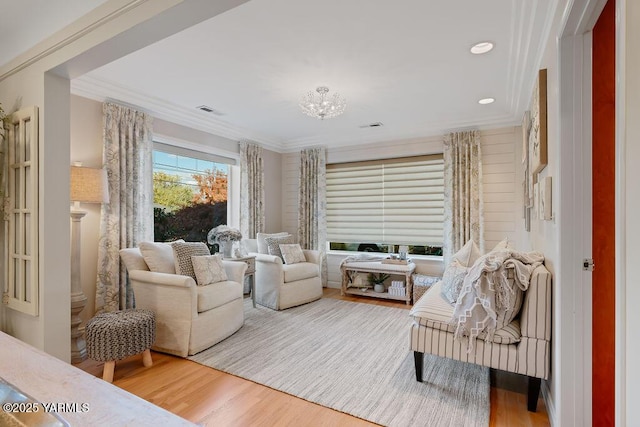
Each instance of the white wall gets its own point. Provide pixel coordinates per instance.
(559, 391)
(628, 270)
(273, 205)
(502, 176)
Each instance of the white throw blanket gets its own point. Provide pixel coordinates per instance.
(487, 295)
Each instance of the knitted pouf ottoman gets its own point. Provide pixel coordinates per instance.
(119, 334)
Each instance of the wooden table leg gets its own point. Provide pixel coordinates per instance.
(146, 358)
(343, 285)
(407, 288)
(253, 290)
(107, 372)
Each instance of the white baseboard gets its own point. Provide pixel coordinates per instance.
(548, 401)
(334, 285)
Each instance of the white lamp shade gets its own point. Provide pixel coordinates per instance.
(89, 185)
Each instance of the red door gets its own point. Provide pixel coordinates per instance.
(603, 249)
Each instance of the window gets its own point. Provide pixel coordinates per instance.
(375, 206)
(190, 192)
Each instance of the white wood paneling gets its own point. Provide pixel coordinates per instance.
(502, 207)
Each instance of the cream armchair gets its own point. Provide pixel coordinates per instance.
(280, 286)
(189, 318)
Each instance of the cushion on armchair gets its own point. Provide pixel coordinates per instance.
(292, 253)
(274, 242)
(455, 272)
(262, 244)
(217, 295)
(182, 253)
(208, 269)
(452, 281)
(299, 271)
(133, 260)
(159, 256)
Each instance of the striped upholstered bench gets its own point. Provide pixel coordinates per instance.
(522, 347)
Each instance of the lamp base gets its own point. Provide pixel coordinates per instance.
(78, 343)
(78, 299)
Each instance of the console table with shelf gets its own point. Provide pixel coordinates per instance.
(351, 269)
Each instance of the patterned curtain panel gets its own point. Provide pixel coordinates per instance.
(128, 217)
(312, 211)
(463, 215)
(251, 190)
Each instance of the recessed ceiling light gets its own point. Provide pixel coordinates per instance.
(482, 47)
(485, 101)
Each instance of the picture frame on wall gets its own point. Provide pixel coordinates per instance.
(538, 125)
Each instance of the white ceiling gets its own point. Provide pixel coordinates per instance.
(25, 23)
(405, 63)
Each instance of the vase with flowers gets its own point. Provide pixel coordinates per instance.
(225, 237)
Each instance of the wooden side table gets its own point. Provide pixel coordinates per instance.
(250, 273)
(351, 268)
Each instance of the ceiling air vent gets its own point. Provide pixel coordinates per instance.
(371, 125)
(208, 109)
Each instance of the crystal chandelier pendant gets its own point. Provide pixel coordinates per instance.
(320, 106)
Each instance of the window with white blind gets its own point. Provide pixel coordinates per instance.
(375, 206)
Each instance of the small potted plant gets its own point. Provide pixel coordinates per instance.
(377, 280)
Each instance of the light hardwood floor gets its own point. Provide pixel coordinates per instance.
(213, 398)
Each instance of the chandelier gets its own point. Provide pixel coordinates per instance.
(319, 105)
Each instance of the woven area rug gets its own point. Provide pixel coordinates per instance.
(354, 358)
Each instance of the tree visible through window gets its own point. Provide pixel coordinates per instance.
(189, 196)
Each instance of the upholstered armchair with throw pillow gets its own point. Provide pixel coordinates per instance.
(197, 297)
(286, 275)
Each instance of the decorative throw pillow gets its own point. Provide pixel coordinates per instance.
(159, 256)
(503, 245)
(262, 244)
(452, 281)
(467, 255)
(273, 244)
(182, 253)
(292, 253)
(208, 269)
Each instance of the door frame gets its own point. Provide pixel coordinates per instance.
(573, 310)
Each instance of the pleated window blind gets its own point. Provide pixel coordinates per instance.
(394, 201)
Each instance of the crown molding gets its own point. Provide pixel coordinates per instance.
(527, 58)
(102, 90)
(381, 136)
(65, 37)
